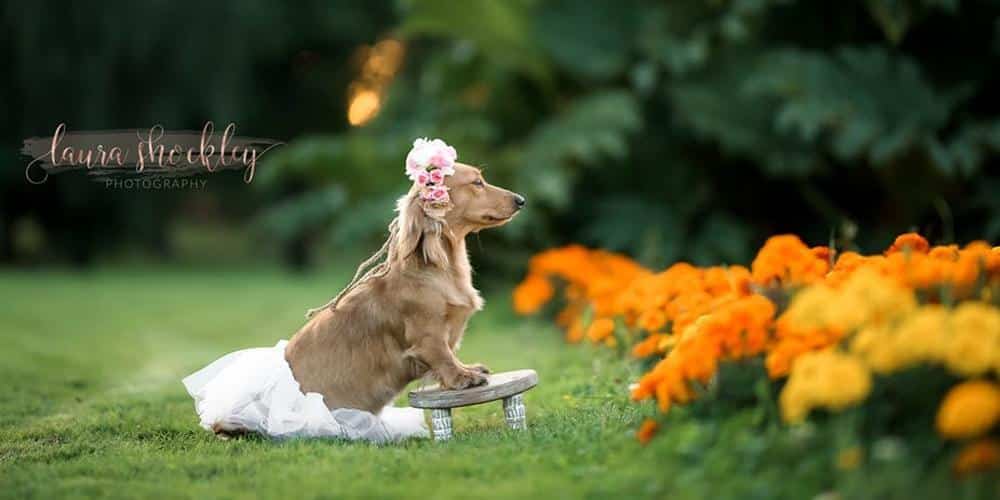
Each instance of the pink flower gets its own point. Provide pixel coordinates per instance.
(422, 177)
(435, 194)
(430, 153)
(436, 176)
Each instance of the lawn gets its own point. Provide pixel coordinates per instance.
(92, 405)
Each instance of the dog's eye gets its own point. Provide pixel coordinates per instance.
(478, 182)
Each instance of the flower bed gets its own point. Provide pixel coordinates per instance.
(911, 332)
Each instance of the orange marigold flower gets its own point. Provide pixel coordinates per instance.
(822, 253)
(739, 280)
(649, 346)
(663, 396)
(909, 241)
(595, 279)
(779, 359)
(993, 261)
(534, 292)
(700, 366)
(647, 430)
(944, 252)
(575, 331)
(785, 260)
(845, 265)
(600, 328)
(648, 382)
(848, 261)
(717, 281)
(917, 270)
(569, 314)
(652, 320)
(728, 328)
(977, 256)
(978, 456)
(643, 390)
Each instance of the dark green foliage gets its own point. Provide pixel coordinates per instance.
(276, 70)
(692, 130)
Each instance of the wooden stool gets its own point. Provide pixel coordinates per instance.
(508, 386)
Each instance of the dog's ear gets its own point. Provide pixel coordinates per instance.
(419, 232)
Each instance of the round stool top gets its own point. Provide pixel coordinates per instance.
(497, 386)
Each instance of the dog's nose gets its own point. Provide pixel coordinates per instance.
(519, 201)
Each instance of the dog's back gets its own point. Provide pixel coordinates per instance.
(353, 356)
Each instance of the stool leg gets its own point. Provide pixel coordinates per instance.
(513, 410)
(441, 423)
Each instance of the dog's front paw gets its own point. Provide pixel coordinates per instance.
(465, 379)
(479, 368)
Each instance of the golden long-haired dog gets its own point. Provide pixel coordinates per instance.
(405, 318)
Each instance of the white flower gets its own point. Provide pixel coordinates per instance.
(428, 155)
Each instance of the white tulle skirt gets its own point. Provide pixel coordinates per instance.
(254, 390)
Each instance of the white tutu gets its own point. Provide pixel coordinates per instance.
(254, 390)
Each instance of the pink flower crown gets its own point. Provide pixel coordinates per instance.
(427, 164)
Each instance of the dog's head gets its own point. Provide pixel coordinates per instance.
(474, 205)
(477, 204)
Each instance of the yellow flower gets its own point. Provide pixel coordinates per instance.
(809, 307)
(850, 382)
(876, 344)
(923, 335)
(875, 298)
(966, 340)
(975, 340)
(795, 404)
(867, 298)
(969, 409)
(824, 379)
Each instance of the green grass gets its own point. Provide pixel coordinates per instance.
(91, 405)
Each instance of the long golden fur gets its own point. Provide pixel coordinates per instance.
(408, 321)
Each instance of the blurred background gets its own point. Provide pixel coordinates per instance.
(684, 129)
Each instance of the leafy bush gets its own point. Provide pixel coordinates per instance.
(691, 129)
